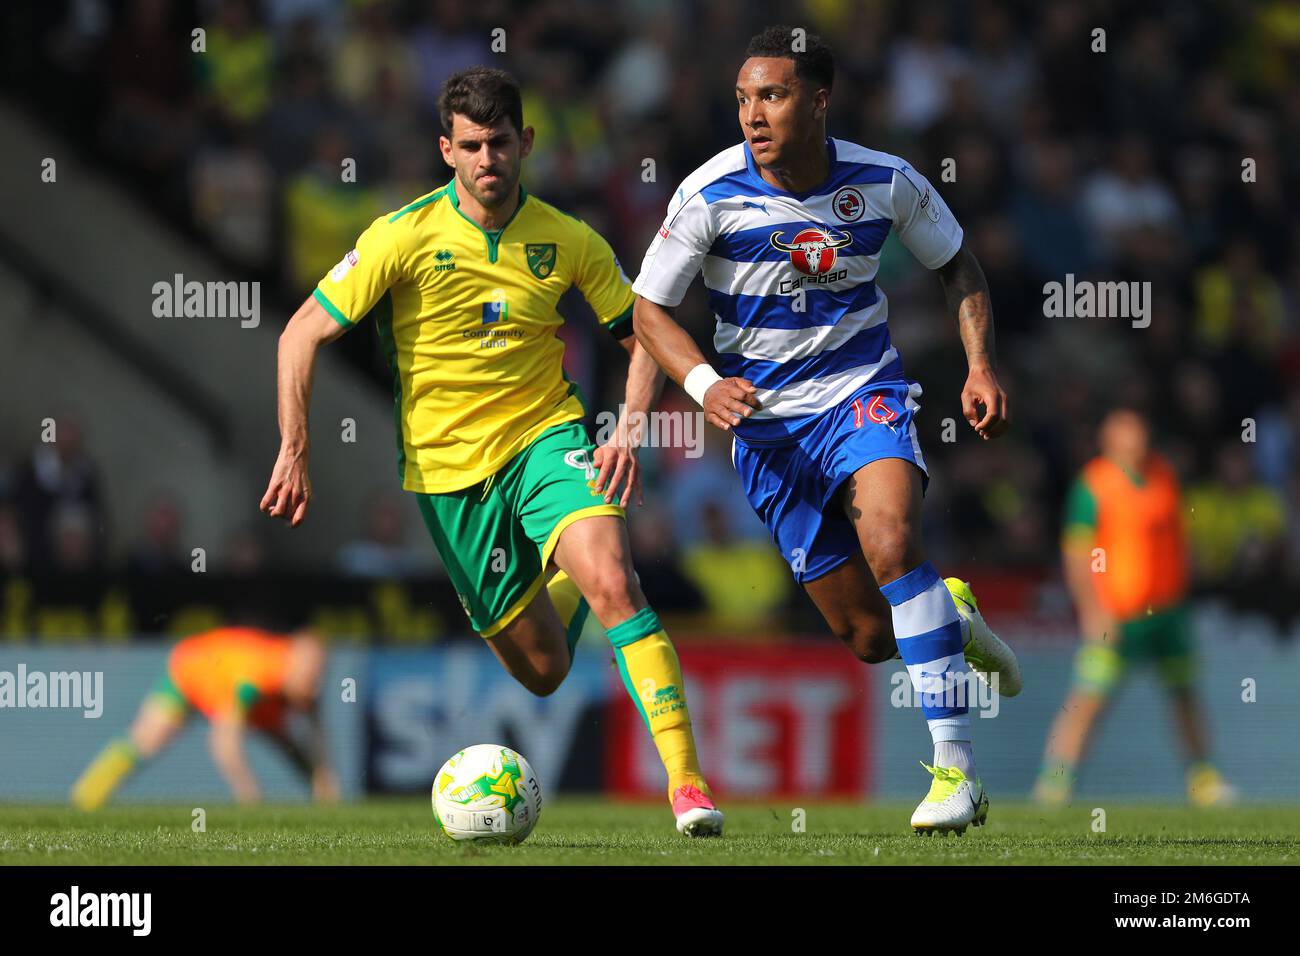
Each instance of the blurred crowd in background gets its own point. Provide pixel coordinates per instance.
(1173, 157)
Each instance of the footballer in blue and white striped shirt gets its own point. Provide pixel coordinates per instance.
(787, 228)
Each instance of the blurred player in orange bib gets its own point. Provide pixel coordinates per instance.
(1126, 565)
(239, 679)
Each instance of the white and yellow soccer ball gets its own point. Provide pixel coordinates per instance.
(487, 792)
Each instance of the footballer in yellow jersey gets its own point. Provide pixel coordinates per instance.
(467, 318)
(462, 285)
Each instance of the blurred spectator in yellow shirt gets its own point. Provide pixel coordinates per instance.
(374, 54)
(1237, 285)
(1236, 523)
(745, 582)
(235, 71)
(323, 213)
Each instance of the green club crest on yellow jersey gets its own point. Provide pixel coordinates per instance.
(541, 258)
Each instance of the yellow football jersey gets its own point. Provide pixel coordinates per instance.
(467, 319)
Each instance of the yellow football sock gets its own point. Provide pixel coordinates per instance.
(570, 605)
(652, 675)
(105, 773)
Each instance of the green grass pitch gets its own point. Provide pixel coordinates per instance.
(588, 831)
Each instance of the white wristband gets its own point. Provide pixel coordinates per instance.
(699, 380)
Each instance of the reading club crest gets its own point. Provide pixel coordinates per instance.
(848, 204)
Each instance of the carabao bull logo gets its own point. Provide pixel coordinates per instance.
(812, 251)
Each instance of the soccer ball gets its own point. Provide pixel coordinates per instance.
(487, 792)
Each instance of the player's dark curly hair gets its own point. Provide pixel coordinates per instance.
(814, 63)
(484, 95)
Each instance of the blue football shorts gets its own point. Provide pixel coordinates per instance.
(791, 482)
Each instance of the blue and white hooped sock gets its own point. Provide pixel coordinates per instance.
(929, 635)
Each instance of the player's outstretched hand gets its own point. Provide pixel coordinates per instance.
(985, 404)
(289, 491)
(618, 466)
(728, 401)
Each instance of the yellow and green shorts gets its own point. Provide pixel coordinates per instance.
(1162, 638)
(496, 537)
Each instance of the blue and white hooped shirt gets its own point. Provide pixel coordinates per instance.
(791, 277)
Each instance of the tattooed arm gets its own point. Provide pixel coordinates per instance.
(983, 401)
